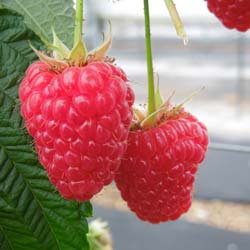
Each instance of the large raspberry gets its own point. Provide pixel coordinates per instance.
(79, 119)
(234, 14)
(156, 177)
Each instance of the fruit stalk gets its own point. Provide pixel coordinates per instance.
(151, 86)
(78, 21)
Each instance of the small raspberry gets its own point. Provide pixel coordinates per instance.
(156, 176)
(79, 119)
(234, 14)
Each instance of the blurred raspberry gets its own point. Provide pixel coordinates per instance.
(234, 14)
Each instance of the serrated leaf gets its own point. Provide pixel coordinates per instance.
(33, 216)
(41, 15)
(15, 56)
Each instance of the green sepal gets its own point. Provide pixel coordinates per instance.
(78, 55)
(62, 52)
(56, 64)
(59, 50)
(47, 43)
(158, 97)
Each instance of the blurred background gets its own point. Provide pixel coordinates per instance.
(216, 58)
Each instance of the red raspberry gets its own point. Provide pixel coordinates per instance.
(156, 177)
(79, 119)
(234, 14)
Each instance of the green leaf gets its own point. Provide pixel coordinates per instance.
(4, 245)
(41, 15)
(15, 56)
(33, 216)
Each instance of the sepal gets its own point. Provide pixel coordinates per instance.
(99, 53)
(56, 64)
(62, 52)
(158, 97)
(78, 55)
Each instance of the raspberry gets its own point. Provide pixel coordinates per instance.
(156, 176)
(79, 119)
(234, 14)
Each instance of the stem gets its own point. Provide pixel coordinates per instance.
(78, 21)
(151, 87)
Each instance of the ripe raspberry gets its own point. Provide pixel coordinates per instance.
(156, 177)
(79, 119)
(234, 14)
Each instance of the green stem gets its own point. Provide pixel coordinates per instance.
(78, 21)
(151, 86)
